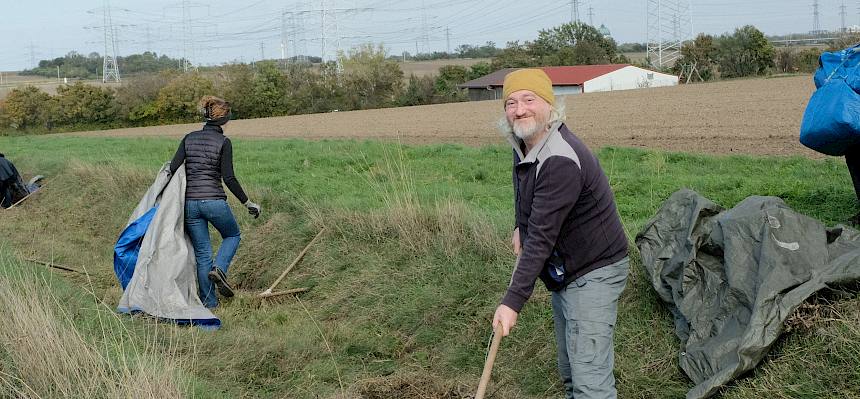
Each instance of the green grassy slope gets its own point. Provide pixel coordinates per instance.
(415, 258)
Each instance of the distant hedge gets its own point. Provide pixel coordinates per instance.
(361, 79)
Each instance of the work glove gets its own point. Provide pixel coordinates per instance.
(253, 209)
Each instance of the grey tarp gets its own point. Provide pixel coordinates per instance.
(732, 277)
(164, 283)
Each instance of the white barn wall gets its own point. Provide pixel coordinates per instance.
(566, 90)
(629, 78)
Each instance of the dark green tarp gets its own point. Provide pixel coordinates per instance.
(732, 277)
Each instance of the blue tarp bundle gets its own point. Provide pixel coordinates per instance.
(154, 260)
(831, 123)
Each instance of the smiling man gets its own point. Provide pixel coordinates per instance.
(567, 233)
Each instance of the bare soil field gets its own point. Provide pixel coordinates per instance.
(424, 68)
(755, 117)
(12, 80)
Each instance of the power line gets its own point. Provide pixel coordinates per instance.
(574, 11)
(456, 22)
(816, 24)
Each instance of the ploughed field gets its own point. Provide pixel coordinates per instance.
(751, 116)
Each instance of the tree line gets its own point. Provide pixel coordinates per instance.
(747, 52)
(78, 66)
(362, 78)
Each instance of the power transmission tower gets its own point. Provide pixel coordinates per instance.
(284, 37)
(329, 23)
(187, 48)
(148, 43)
(293, 34)
(110, 68)
(574, 11)
(32, 55)
(816, 25)
(669, 24)
(447, 40)
(842, 14)
(591, 15)
(300, 38)
(425, 35)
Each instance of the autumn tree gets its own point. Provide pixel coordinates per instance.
(177, 101)
(27, 107)
(80, 103)
(369, 79)
(701, 53)
(746, 52)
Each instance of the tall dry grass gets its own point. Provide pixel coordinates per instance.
(418, 226)
(46, 356)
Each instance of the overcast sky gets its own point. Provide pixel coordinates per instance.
(220, 31)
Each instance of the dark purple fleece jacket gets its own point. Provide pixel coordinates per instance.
(564, 205)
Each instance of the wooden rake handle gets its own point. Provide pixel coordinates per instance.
(25, 197)
(287, 292)
(488, 365)
(290, 267)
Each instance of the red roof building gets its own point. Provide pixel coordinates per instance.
(576, 79)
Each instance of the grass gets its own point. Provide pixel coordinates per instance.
(46, 354)
(414, 261)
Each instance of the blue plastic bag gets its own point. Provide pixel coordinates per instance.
(831, 122)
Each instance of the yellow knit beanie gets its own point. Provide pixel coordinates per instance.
(535, 80)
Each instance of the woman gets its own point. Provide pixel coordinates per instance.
(208, 157)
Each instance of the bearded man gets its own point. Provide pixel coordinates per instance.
(568, 234)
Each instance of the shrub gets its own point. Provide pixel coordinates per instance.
(177, 101)
(28, 107)
(446, 83)
(80, 103)
(807, 60)
(747, 52)
(702, 53)
(369, 79)
(419, 91)
(235, 83)
(270, 96)
(136, 97)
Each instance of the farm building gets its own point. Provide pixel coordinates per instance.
(575, 80)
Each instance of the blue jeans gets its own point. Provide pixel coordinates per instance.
(198, 215)
(584, 313)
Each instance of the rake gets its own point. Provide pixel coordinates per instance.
(488, 364)
(269, 292)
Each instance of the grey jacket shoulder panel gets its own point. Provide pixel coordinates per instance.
(556, 146)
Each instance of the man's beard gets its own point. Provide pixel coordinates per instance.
(526, 128)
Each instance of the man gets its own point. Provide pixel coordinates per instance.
(12, 189)
(568, 234)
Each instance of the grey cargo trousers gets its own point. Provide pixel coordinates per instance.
(584, 313)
